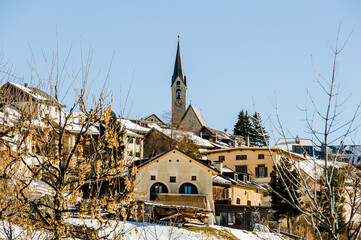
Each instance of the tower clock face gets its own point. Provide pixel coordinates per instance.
(178, 102)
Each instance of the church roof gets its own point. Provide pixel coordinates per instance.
(178, 67)
(197, 113)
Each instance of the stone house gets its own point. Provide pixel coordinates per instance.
(255, 161)
(173, 179)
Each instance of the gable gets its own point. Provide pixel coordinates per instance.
(192, 119)
(28, 93)
(154, 118)
(174, 153)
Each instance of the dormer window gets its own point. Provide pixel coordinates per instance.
(178, 94)
(178, 83)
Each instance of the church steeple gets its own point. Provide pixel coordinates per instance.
(179, 90)
(178, 67)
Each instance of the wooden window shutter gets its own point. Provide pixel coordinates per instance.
(257, 172)
(265, 172)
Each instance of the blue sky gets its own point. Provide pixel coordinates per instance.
(236, 54)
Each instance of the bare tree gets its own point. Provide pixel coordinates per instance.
(334, 129)
(63, 165)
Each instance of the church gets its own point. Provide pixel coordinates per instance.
(183, 117)
(188, 118)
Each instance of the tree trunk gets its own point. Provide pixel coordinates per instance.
(288, 225)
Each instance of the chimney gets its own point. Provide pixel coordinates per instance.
(25, 84)
(247, 140)
(219, 165)
(225, 130)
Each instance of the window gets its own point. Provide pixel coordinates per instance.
(178, 94)
(178, 83)
(261, 171)
(241, 157)
(188, 188)
(219, 193)
(152, 177)
(130, 140)
(137, 154)
(130, 153)
(238, 201)
(260, 156)
(157, 188)
(241, 168)
(194, 178)
(221, 158)
(137, 141)
(249, 203)
(172, 179)
(223, 219)
(231, 219)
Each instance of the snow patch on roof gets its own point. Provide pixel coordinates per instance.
(314, 168)
(128, 124)
(179, 135)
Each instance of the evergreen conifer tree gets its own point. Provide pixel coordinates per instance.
(243, 126)
(323, 198)
(259, 134)
(252, 128)
(281, 198)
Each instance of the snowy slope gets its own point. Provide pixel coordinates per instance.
(143, 231)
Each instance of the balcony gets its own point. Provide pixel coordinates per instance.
(180, 199)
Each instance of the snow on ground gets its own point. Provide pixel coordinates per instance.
(146, 231)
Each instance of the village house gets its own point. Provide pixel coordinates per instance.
(303, 146)
(32, 99)
(238, 201)
(256, 161)
(176, 184)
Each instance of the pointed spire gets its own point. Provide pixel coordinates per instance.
(178, 66)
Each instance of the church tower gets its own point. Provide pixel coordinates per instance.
(179, 90)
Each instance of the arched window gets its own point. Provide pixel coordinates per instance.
(178, 83)
(188, 188)
(178, 94)
(157, 188)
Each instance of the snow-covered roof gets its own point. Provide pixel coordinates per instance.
(314, 168)
(218, 133)
(220, 180)
(223, 180)
(74, 127)
(283, 142)
(132, 134)
(36, 93)
(128, 124)
(179, 135)
(226, 169)
(28, 91)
